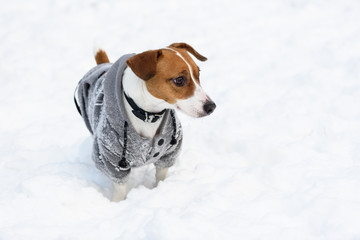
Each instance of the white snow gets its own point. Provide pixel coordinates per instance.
(278, 159)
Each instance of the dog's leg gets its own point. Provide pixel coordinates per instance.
(119, 192)
(160, 174)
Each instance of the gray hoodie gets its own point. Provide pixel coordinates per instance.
(117, 146)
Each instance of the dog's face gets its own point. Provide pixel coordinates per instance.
(171, 74)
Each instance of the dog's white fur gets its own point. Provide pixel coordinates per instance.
(136, 88)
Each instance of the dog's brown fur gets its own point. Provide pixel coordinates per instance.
(101, 57)
(159, 67)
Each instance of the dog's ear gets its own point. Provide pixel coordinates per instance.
(190, 49)
(144, 64)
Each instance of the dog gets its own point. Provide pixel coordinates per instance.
(129, 108)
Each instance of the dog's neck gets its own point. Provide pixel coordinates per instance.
(136, 89)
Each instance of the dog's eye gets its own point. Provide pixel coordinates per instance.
(179, 81)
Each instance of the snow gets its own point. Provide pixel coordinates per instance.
(278, 159)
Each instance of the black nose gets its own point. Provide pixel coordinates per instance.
(209, 107)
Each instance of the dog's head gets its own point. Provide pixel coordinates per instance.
(171, 74)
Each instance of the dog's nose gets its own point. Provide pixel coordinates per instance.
(209, 107)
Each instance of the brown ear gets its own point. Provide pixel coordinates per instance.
(190, 49)
(144, 64)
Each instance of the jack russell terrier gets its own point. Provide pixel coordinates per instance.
(129, 108)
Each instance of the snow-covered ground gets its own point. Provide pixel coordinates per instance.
(279, 158)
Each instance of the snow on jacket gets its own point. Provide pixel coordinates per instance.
(117, 146)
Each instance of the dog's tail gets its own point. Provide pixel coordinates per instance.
(100, 56)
